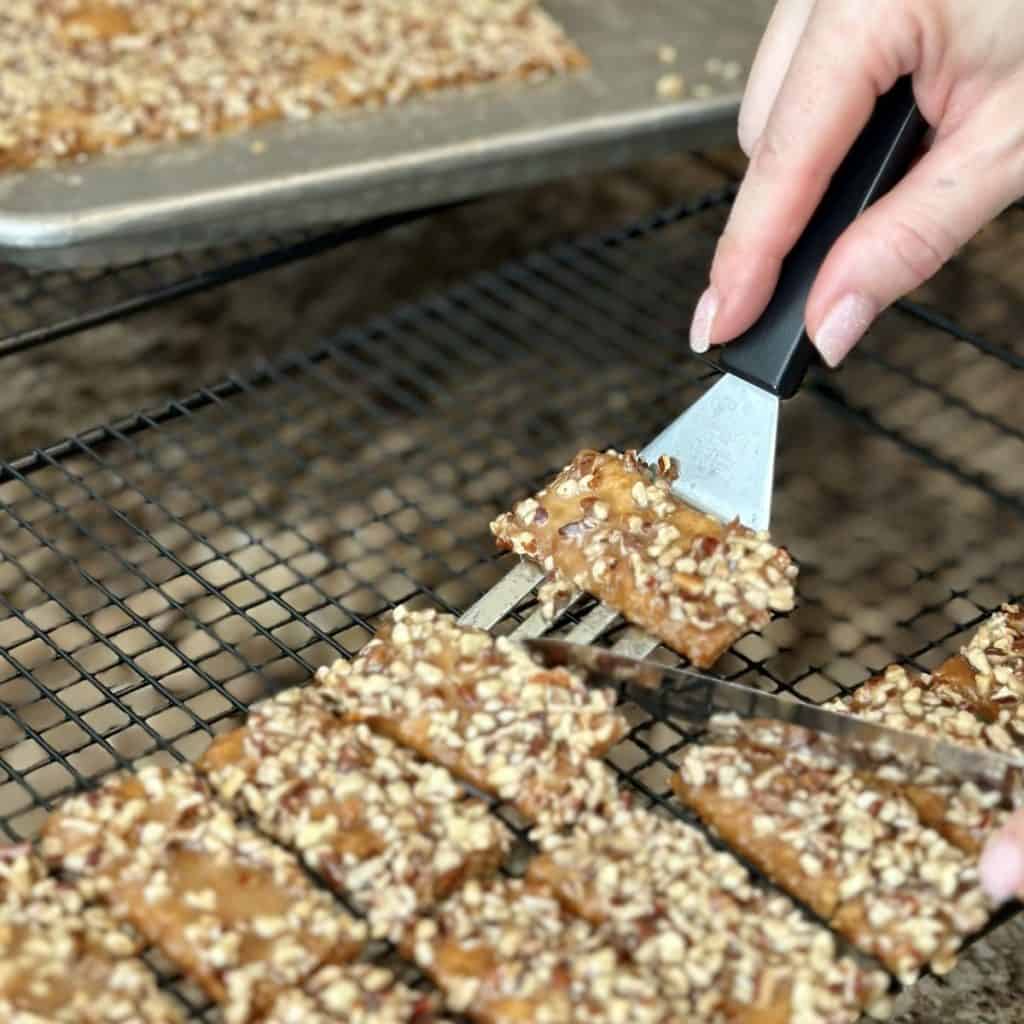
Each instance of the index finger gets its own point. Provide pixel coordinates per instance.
(774, 55)
(838, 72)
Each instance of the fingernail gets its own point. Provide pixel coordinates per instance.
(1002, 868)
(703, 321)
(844, 325)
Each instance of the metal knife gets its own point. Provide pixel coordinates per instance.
(681, 694)
(726, 441)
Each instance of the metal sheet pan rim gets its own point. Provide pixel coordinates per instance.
(41, 230)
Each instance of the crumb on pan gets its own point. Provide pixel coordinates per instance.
(671, 86)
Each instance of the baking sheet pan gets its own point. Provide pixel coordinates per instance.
(445, 147)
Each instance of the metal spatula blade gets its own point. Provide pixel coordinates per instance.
(725, 443)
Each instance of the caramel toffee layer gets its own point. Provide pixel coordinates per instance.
(505, 952)
(839, 840)
(355, 994)
(719, 946)
(975, 699)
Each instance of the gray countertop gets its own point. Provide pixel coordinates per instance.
(985, 987)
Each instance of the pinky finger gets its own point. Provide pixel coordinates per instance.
(1002, 862)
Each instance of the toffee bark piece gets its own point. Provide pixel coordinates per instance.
(962, 812)
(722, 947)
(902, 698)
(92, 76)
(355, 994)
(611, 527)
(975, 699)
(64, 962)
(847, 846)
(236, 914)
(483, 708)
(505, 952)
(990, 667)
(379, 824)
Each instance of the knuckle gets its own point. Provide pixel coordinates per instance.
(921, 248)
(768, 158)
(778, 161)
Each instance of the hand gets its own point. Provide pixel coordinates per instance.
(1002, 862)
(819, 69)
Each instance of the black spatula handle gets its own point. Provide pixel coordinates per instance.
(776, 353)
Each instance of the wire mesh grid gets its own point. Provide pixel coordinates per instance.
(39, 307)
(159, 575)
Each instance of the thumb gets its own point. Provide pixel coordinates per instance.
(1002, 863)
(964, 181)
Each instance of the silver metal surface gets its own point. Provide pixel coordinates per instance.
(725, 443)
(493, 606)
(685, 695)
(635, 643)
(599, 619)
(537, 622)
(442, 148)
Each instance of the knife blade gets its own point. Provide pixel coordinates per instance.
(682, 694)
(726, 441)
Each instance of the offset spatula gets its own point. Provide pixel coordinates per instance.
(726, 441)
(683, 695)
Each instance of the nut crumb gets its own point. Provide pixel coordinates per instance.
(671, 86)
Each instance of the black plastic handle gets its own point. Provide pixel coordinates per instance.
(776, 353)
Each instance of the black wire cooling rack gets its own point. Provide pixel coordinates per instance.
(159, 574)
(39, 307)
